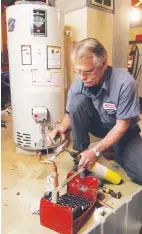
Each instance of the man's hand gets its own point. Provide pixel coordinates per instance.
(56, 133)
(61, 132)
(88, 159)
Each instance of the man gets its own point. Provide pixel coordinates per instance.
(103, 101)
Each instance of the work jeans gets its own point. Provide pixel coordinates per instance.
(85, 119)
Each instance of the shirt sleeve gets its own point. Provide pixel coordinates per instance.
(128, 105)
(75, 88)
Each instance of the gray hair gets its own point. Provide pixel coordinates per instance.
(83, 47)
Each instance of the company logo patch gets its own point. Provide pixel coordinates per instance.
(11, 24)
(109, 106)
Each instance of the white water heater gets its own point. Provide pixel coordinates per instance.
(36, 60)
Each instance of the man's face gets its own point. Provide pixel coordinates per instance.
(89, 74)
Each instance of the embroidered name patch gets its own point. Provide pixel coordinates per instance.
(109, 106)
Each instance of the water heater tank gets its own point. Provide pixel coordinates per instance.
(35, 47)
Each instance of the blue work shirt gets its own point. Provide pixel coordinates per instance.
(117, 99)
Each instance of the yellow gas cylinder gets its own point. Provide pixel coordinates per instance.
(106, 173)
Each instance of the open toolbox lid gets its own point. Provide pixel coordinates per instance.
(60, 218)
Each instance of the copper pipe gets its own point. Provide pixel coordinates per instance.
(53, 168)
(104, 204)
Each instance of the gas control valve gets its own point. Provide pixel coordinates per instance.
(40, 113)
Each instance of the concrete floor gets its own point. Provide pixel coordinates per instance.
(24, 182)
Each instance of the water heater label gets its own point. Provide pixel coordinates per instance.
(41, 77)
(55, 77)
(26, 54)
(53, 57)
(39, 23)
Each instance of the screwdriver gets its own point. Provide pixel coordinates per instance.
(112, 193)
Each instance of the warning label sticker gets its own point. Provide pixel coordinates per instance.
(39, 23)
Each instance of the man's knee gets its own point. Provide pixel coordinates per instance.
(135, 173)
(132, 159)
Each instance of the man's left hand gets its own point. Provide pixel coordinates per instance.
(88, 158)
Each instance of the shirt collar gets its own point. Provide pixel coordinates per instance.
(107, 75)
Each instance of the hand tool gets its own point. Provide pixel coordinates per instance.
(99, 169)
(77, 172)
(112, 193)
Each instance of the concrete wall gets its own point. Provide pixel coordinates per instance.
(112, 30)
(89, 22)
(77, 20)
(100, 26)
(76, 23)
(121, 33)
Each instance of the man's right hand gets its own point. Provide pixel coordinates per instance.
(51, 137)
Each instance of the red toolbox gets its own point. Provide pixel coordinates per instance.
(63, 218)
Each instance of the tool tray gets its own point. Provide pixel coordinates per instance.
(73, 208)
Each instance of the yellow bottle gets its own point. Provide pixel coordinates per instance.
(106, 173)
